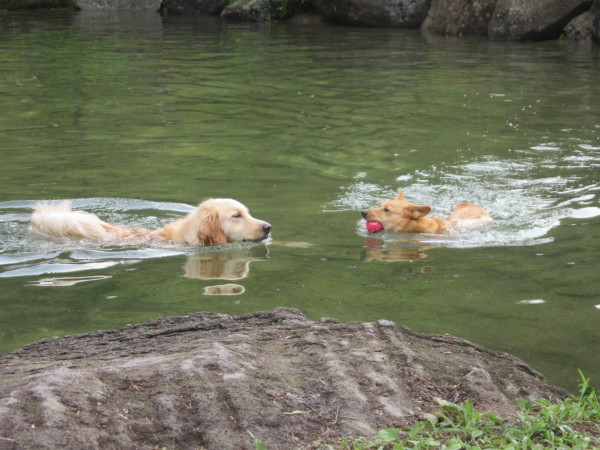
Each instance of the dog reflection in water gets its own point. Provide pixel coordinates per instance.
(224, 289)
(374, 251)
(229, 265)
(233, 264)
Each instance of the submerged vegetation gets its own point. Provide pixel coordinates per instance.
(574, 423)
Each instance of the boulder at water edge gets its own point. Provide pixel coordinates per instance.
(205, 380)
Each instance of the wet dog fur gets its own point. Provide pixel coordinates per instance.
(214, 221)
(401, 215)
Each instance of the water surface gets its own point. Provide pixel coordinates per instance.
(138, 118)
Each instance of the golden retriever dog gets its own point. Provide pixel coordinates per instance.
(401, 215)
(214, 221)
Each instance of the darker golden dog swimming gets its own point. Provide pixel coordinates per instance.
(401, 215)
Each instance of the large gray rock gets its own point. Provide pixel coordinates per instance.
(205, 380)
(118, 4)
(534, 20)
(248, 10)
(26, 4)
(596, 22)
(374, 13)
(581, 27)
(264, 10)
(459, 17)
(194, 7)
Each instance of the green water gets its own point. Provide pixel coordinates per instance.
(134, 117)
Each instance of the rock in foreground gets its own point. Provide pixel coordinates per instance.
(206, 379)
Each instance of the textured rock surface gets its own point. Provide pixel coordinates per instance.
(596, 22)
(581, 28)
(203, 380)
(119, 4)
(248, 10)
(374, 13)
(459, 17)
(191, 7)
(534, 20)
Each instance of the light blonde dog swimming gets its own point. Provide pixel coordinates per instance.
(401, 215)
(214, 221)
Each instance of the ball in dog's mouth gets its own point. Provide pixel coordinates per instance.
(374, 226)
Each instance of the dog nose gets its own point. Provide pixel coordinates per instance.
(364, 213)
(266, 227)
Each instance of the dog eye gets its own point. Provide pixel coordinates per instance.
(386, 210)
(236, 216)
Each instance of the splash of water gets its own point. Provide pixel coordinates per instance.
(525, 207)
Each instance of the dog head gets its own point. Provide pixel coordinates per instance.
(393, 214)
(223, 220)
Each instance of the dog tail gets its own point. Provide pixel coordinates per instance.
(59, 220)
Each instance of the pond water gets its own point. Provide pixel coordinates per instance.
(137, 118)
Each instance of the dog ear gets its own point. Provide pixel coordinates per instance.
(210, 231)
(416, 211)
(401, 195)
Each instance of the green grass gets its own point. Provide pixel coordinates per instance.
(572, 424)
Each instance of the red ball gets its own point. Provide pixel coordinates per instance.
(373, 226)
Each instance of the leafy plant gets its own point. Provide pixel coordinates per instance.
(259, 444)
(574, 423)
